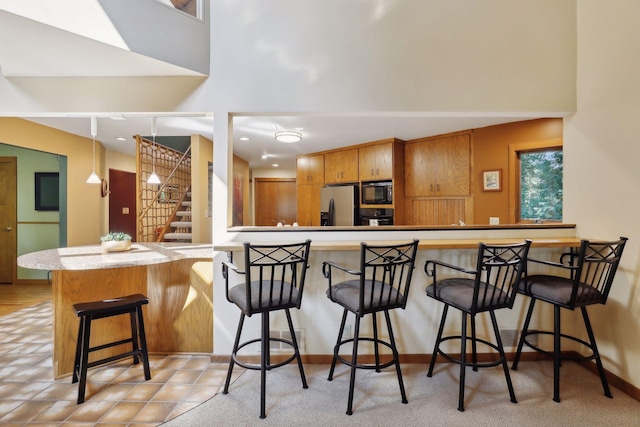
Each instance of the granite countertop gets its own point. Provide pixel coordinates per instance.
(92, 257)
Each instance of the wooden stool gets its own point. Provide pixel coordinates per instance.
(89, 311)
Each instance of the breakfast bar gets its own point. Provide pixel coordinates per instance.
(177, 279)
(318, 318)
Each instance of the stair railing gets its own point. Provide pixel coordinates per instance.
(174, 217)
(157, 203)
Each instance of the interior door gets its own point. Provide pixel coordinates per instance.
(8, 219)
(275, 201)
(122, 202)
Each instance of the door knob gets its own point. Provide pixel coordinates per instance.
(8, 228)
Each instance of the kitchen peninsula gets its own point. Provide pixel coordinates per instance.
(318, 318)
(175, 277)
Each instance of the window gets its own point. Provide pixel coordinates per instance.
(541, 185)
(535, 181)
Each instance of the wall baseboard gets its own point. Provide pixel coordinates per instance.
(325, 359)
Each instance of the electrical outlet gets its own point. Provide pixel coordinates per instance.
(494, 220)
(510, 338)
(285, 334)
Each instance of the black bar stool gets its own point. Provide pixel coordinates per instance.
(381, 284)
(274, 278)
(88, 311)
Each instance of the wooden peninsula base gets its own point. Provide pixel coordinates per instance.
(179, 285)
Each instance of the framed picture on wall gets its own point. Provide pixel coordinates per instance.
(47, 191)
(492, 180)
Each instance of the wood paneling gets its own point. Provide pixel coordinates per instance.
(439, 211)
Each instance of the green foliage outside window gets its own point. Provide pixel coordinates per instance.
(541, 185)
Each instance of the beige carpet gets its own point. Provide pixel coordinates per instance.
(432, 401)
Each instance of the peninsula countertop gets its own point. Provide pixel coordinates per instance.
(92, 257)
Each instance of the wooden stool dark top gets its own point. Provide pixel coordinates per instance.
(110, 307)
(89, 311)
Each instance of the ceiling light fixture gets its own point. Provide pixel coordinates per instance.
(288, 136)
(120, 138)
(94, 178)
(153, 178)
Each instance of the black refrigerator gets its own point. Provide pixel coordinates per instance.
(339, 205)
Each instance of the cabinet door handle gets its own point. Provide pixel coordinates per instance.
(372, 172)
(438, 187)
(431, 188)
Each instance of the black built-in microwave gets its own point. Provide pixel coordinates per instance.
(377, 193)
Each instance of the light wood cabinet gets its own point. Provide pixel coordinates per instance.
(310, 169)
(309, 179)
(341, 166)
(308, 197)
(376, 162)
(440, 211)
(438, 167)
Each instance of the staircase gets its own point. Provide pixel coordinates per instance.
(180, 226)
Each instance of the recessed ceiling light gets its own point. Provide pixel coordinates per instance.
(275, 165)
(121, 138)
(244, 138)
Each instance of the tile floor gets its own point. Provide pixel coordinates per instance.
(117, 394)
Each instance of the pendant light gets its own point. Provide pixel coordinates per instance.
(153, 178)
(94, 178)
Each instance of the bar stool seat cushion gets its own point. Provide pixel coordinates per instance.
(276, 297)
(558, 290)
(459, 293)
(347, 294)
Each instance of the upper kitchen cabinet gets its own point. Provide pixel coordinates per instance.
(376, 162)
(438, 167)
(310, 169)
(341, 166)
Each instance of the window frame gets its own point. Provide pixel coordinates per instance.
(514, 173)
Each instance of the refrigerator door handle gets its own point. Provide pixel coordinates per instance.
(332, 212)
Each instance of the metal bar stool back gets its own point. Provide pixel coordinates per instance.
(381, 283)
(274, 277)
(586, 279)
(490, 286)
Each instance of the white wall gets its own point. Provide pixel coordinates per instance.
(601, 171)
